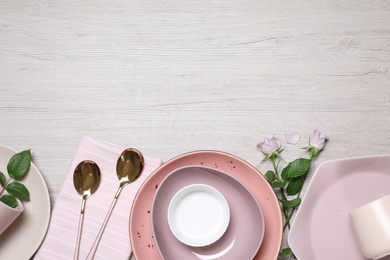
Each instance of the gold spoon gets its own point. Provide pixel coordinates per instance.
(128, 168)
(86, 180)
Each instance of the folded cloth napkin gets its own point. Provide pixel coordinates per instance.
(60, 240)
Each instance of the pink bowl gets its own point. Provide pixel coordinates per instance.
(244, 235)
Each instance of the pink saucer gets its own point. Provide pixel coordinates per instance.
(141, 236)
(322, 228)
(245, 232)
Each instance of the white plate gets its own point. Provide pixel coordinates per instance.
(322, 229)
(22, 239)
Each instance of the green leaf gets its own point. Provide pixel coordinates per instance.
(285, 252)
(3, 179)
(296, 168)
(9, 200)
(19, 164)
(18, 190)
(284, 173)
(278, 184)
(295, 186)
(289, 204)
(270, 176)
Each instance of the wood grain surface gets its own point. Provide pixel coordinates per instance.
(168, 77)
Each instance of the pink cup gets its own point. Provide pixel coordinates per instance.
(8, 215)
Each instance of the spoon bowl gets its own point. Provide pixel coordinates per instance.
(129, 167)
(86, 180)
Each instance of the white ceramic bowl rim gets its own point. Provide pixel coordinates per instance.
(198, 215)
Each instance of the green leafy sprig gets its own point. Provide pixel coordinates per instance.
(17, 167)
(288, 182)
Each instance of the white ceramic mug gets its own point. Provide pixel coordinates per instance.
(371, 225)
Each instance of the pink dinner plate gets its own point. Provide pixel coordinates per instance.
(245, 232)
(141, 235)
(322, 229)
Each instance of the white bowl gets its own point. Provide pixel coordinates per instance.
(198, 215)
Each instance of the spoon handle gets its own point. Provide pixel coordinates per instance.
(95, 245)
(77, 249)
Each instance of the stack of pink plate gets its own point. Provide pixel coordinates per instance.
(254, 230)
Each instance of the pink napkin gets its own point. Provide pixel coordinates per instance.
(60, 240)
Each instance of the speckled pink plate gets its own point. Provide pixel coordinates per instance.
(322, 229)
(245, 232)
(141, 235)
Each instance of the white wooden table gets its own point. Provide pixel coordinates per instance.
(168, 77)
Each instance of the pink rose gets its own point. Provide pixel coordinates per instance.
(317, 140)
(269, 145)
